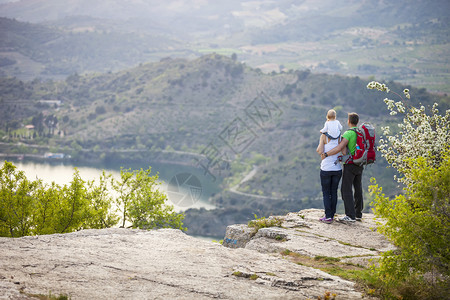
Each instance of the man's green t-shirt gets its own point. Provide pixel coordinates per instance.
(350, 136)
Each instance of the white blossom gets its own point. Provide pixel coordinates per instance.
(378, 86)
(406, 93)
(421, 134)
(400, 107)
(386, 130)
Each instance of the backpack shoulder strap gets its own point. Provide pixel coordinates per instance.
(348, 158)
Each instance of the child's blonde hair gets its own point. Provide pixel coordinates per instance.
(331, 115)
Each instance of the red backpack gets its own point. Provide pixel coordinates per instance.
(365, 146)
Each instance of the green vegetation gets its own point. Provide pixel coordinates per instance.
(142, 202)
(50, 296)
(417, 221)
(254, 277)
(366, 281)
(327, 258)
(245, 275)
(264, 222)
(33, 208)
(286, 252)
(280, 238)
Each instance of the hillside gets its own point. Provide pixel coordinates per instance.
(399, 40)
(213, 113)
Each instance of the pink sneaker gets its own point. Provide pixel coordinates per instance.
(324, 219)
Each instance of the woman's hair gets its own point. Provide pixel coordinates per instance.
(331, 115)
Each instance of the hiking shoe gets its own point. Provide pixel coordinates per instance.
(346, 219)
(326, 220)
(358, 219)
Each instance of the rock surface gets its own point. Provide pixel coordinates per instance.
(168, 264)
(304, 234)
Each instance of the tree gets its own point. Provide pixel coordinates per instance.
(72, 205)
(16, 202)
(142, 203)
(100, 212)
(38, 122)
(45, 209)
(30, 207)
(417, 221)
(100, 110)
(33, 208)
(51, 121)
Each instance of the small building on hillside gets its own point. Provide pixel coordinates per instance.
(50, 155)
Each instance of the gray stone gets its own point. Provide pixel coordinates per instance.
(275, 233)
(161, 264)
(238, 235)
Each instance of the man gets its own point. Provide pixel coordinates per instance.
(352, 174)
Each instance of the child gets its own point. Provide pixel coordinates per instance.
(331, 129)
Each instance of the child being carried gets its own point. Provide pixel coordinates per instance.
(331, 129)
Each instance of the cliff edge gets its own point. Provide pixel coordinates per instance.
(121, 263)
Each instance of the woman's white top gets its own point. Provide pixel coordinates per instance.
(330, 163)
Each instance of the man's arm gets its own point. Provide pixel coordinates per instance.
(336, 149)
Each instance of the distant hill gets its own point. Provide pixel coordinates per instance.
(60, 52)
(400, 40)
(210, 13)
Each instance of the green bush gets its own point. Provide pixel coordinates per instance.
(417, 221)
(264, 222)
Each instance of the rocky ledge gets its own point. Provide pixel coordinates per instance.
(304, 234)
(168, 264)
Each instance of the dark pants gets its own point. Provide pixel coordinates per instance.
(330, 182)
(351, 178)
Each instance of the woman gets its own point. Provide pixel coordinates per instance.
(330, 175)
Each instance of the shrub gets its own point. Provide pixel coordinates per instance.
(417, 221)
(264, 222)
